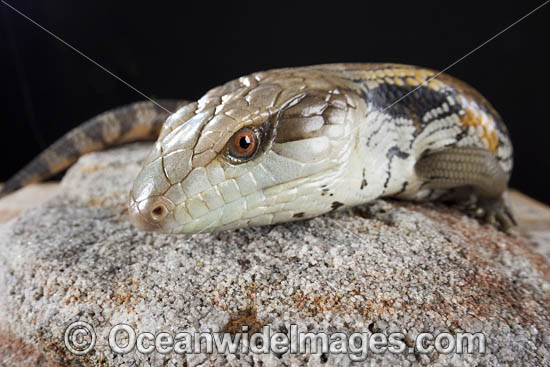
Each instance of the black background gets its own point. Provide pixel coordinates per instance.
(182, 49)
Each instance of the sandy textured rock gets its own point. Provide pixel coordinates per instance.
(28, 197)
(533, 220)
(387, 267)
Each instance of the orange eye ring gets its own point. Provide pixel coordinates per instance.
(243, 144)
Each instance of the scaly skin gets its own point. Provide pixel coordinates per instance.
(328, 137)
(327, 140)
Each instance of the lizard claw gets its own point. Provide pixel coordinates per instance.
(495, 211)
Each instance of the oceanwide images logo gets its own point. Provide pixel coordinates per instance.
(80, 338)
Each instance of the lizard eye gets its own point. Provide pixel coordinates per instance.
(243, 144)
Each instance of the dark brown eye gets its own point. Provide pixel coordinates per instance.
(243, 143)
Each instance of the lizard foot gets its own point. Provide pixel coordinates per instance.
(495, 211)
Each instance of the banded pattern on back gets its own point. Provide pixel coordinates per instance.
(443, 102)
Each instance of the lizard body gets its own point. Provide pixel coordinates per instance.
(290, 144)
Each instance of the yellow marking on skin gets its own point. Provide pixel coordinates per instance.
(367, 75)
(409, 71)
(475, 117)
(400, 73)
(436, 84)
(412, 82)
(423, 74)
(371, 84)
(401, 76)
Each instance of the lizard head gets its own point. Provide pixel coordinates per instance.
(251, 152)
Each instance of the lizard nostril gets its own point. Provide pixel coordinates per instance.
(151, 213)
(158, 212)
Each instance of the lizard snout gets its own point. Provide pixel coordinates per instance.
(149, 214)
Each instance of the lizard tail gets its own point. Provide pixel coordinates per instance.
(140, 121)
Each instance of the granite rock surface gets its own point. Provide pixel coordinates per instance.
(389, 267)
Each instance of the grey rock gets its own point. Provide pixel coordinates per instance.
(384, 268)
